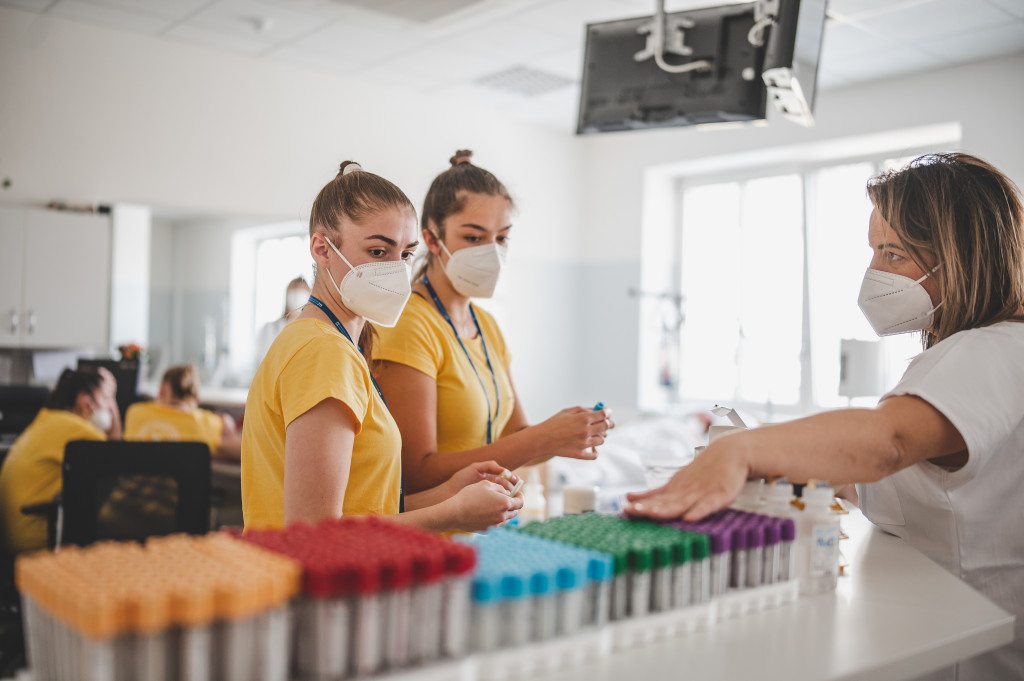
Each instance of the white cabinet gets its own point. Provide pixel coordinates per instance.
(54, 279)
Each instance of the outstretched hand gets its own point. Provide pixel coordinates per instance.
(709, 484)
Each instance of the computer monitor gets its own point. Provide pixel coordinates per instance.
(19, 405)
(619, 92)
(126, 373)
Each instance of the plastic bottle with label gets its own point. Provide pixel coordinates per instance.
(818, 538)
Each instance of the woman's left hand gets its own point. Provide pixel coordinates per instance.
(481, 470)
(710, 483)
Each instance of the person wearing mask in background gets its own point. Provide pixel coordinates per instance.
(83, 406)
(319, 441)
(941, 457)
(175, 416)
(444, 368)
(295, 296)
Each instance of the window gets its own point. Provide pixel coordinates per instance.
(278, 261)
(770, 267)
(263, 260)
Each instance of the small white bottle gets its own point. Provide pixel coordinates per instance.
(777, 499)
(750, 497)
(818, 537)
(535, 505)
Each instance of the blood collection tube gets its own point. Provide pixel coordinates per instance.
(682, 573)
(661, 577)
(755, 554)
(366, 646)
(597, 602)
(770, 555)
(515, 611)
(720, 539)
(569, 598)
(459, 563)
(427, 599)
(396, 607)
(738, 554)
(486, 618)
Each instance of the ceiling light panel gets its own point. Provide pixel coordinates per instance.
(524, 81)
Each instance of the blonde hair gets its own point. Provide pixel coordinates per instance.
(967, 215)
(183, 381)
(355, 195)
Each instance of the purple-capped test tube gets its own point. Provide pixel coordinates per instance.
(770, 555)
(755, 553)
(738, 573)
(720, 539)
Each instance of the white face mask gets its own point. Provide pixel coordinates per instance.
(474, 271)
(295, 299)
(376, 291)
(896, 304)
(102, 419)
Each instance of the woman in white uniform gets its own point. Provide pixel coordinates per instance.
(942, 455)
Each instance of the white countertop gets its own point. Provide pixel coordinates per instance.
(895, 615)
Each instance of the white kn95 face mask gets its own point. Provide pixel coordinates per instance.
(474, 271)
(896, 304)
(102, 419)
(376, 291)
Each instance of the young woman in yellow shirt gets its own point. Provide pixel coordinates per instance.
(444, 368)
(319, 440)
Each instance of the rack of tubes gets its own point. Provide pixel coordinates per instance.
(355, 597)
(178, 608)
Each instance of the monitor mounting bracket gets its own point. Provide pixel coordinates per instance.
(665, 34)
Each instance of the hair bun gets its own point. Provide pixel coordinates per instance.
(348, 167)
(461, 156)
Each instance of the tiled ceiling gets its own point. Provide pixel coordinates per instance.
(525, 56)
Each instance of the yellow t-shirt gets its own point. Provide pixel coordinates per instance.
(423, 340)
(154, 422)
(31, 474)
(308, 362)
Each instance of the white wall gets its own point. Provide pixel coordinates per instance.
(91, 114)
(96, 115)
(984, 98)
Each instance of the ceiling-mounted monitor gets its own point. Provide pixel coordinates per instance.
(710, 65)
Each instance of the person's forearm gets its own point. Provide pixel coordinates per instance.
(844, 446)
(512, 452)
(427, 497)
(435, 518)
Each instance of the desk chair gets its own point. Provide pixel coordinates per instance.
(19, 404)
(132, 490)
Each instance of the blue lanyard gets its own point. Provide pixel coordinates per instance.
(330, 315)
(494, 378)
(344, 332)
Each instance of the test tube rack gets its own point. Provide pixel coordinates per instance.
(178, 608)
(376, 595)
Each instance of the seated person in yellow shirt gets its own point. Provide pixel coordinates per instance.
(319, 440)
(83, 406)
(175, 416)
